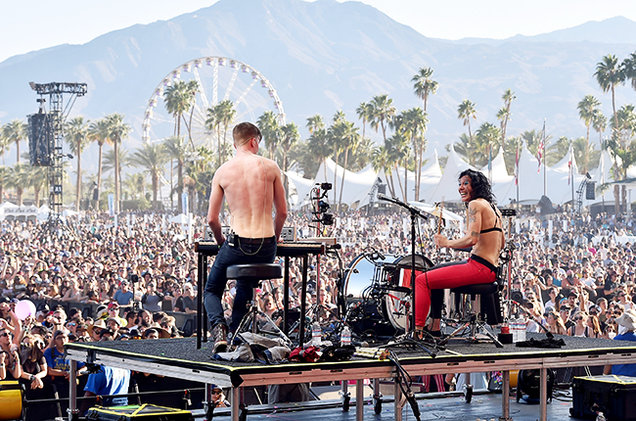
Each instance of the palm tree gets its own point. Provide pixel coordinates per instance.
(504, 114)
(608, 74)
(117, 131)
(346, 139)
(289, 138)
(76, 134)
(38, 181)
(225, 114)
(586, 108)
(152, 158)
(320, 147)
(414, 123)
(465, 112)
(599, 122)
(629, 68)
(585, 154)
(4, 174)
(136, 185)
(398, 151)
(622, 143)
(177, 149)
(18, 178)
(15, 132)
(268, 125)
(487, 140)
(364, 113)
(98, 132)
(4, 145)
(466, 148)
(381, 162)
(382, 113)
(314, 123)
(423, 85)
(179, 99)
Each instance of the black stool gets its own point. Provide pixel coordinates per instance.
(482, 309)
(255, 273)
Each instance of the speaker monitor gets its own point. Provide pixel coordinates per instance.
(589, 190)
(38, 131)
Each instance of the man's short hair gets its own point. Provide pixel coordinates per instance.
(245, 131)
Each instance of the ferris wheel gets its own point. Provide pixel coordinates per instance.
(219, 79)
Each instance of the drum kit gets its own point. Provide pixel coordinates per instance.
(375, 290)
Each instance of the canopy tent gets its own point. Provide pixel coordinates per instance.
(503, 186)
(299, 189)
(530, 188)
(446, 189)
(356, 188)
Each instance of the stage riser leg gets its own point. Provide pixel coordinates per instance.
(359, 400)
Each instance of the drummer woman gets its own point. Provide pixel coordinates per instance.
(486, 237)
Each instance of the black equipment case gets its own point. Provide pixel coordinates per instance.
(613, 395)
(145, 412)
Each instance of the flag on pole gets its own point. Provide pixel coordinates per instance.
(517, 166)
(541, 149)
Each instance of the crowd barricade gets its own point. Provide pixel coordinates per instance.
(185, 322)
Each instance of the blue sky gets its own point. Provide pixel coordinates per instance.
(31, 25)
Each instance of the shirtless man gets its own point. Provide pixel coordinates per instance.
(486, 237)
(252, 186)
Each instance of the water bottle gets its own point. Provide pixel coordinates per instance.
(316, 334)
(345, 336)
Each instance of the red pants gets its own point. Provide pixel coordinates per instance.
(474, 271)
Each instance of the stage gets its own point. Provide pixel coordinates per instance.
(179, 358)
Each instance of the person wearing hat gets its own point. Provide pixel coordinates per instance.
(628, 321)
(218, 397)
(95, 329)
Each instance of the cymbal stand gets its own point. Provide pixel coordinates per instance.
(409, 338)
(505, 259)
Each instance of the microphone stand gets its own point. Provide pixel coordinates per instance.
(409, 334)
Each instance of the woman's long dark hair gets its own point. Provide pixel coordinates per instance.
(480, 185)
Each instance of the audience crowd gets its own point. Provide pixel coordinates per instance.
(574, 274)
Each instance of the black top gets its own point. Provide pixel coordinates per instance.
(495, 227)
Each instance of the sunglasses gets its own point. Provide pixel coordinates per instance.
(2, 335)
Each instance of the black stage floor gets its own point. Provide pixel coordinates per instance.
(182, 351)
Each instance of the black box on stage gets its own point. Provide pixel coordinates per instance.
(145, 412)
(615, 396)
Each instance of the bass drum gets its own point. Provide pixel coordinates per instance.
(375, 294)
(397, 300)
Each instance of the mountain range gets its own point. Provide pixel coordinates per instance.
(326, 56)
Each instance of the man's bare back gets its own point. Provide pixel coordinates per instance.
(251, 186)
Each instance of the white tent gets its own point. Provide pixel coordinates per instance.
(357, 186)
(558, 183)
(446, 189)
(300, 188)
(503, 186)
